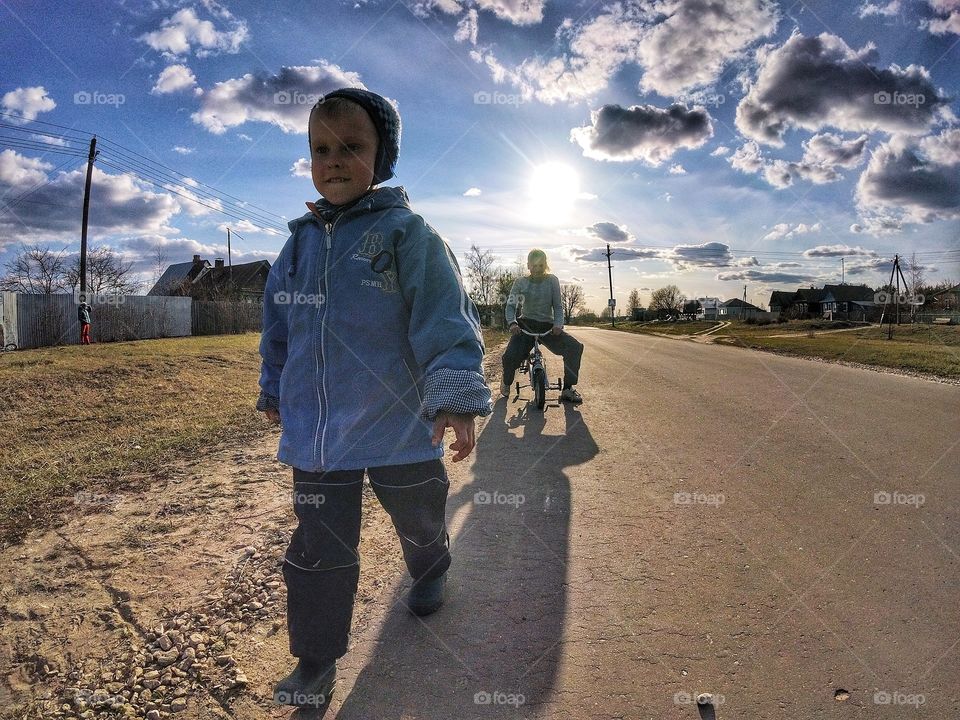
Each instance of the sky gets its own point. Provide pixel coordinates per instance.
(713, 144)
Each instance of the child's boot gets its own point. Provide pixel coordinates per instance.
(309, 685)
(426, 596)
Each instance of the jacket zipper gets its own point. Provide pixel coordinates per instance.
(322, 388)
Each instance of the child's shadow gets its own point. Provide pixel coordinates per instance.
(493, 649)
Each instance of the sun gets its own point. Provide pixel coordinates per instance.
(554, 187)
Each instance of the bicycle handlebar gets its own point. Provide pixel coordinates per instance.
(538, 335)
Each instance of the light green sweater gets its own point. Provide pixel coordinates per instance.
(538, 300)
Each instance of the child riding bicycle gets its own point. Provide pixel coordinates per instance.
(539, 297)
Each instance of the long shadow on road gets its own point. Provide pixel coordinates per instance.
(494, 648)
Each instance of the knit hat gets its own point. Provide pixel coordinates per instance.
(385, 120)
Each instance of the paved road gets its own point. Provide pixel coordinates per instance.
(711, 519)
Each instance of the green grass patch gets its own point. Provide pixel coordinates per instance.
(81, 418)
(665, 328)
(930, 349)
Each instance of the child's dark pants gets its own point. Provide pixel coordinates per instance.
(322, 565)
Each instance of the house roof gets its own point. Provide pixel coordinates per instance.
(738, 303)
(782, 297)
(810, 295)
(174, 275)
(246, 276)
(955, 288)
(846, 293)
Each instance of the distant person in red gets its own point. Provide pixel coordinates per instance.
(83, 315)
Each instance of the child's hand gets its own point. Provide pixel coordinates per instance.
(272, 415)
(463, 428)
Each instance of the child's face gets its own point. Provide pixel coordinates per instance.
(343, 155)
(537, 267)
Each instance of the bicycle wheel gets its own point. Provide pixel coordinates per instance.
(539, 387)
(9, 347)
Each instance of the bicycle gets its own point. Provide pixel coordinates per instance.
(535, 366)
(9, 347)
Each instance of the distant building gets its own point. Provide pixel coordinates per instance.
(737, 309)
(201, 281)
(709, 308)
(177, 279)
(831, 302)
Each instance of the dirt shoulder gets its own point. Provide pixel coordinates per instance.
(164, 598)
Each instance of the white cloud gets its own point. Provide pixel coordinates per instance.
(467, 28)
(245, 226)
(785, 231)
(911, 180)
(283, 99)
(301, 168)
(473, 192)
(720, 151)
(837, 251)
(889, 10)
(174, 78)
(123, 204)
(823, 154)
(698, 38)
(184, 32)
(518, 12)
(818, 82)
(27, 102)
(677, 169)
(182, 150)
(642, 132)
(19, 171)
(711, 254)
(950, 20)
(610, 232)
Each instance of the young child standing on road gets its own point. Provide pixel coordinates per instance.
(371, 349)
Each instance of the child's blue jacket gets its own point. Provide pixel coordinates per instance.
(367, 334)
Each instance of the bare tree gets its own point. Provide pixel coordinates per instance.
(481, 274)
(572, 300)
(634, 302)
(503, 284)
(667, 298)
(160, 259)
(106, 273)
(35, 271)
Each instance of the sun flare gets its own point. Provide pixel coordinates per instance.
(554, 187)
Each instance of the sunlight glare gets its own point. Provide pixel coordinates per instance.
(554, 187)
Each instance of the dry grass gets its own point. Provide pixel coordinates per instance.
(89, 418)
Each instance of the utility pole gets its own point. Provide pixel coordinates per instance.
(229, 258)
(842, 272)
(86, 213)
(743, 310)
(613, 307)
